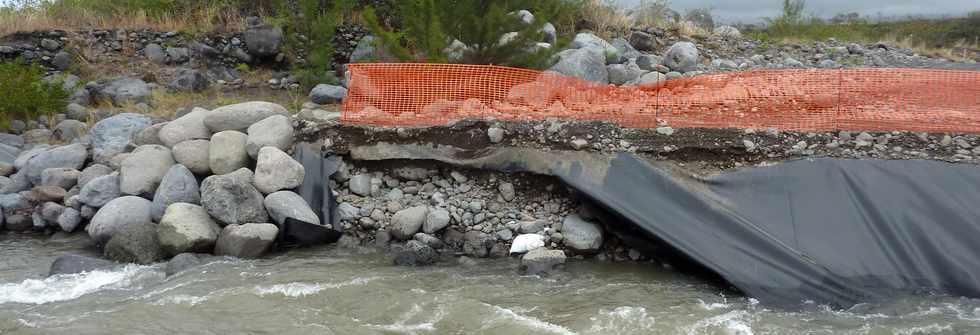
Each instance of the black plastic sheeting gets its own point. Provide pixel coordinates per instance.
(830, 231)
(837, 232)
(316, 191)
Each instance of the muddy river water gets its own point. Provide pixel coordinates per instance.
(331, 290)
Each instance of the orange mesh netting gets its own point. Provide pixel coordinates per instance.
(417, 94)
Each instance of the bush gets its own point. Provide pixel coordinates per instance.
(479, 24)
(25, 95)
(310, 28)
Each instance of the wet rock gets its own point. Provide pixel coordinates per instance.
(136, 243)
(682, 57)
(274, 131)
(69, 220)
(117, 214)
(69, 156)
(324, 94)
(182, 262)
(477, 244)
(71, 264)
(65, 178)
(187, 228)
(232, 200)
(100, 191)
(178, 186)
(285, 204)
(496, 134)
(436, 220)
(405, 223)
(195, 155)
(277, 171)
(113, 135)
(249, 240)
(227, 152)
(429, 240)
(144, 169)
(188, 127)
(416, 253)
(580, 235)
(240, 116)
(542, 261)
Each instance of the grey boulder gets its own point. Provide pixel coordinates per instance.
(682, 57)
(178, 186)
(285, 204)
(542, 261)
(274, 131)
(136, 243)
(113, 135)
(71, 264)
(68, 131)
(263, 41)
(69, 156)
(116, 215)
(187, 228)
(231, 200)
(100, 191)
(189, 80)
(580, 235)
(227, 152)
(188, 127)
(327, 94)
(585, 63)
(276, 171)
(249, 240)
(144, 169)
(195, 155)
(242, 115)
(436, 220)
(405, 223)
(65, 178)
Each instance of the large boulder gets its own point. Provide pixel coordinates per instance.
(69, 156)
(182, 262)
(242, 115)
(682, 57)
(366, 51)
(416, 253)
(405, 223)
(436, 220)
(187, 228)
(135, 243)
(69, 220)
(276, 171)
(248, 240)
(727, 32)
(195, 155)
(113, 135)
(189, 80)
(542, 261)
(591, 41)
(122, 91)
(150, 135)
(477, 243)
(100, 191)
(231, 200)
(227, 152)
(8, 153)
(91, 172)
(68, 131)
(580, 235)
(188, 127)
(274, 131)
(177, 186)
(643, 41)
(116, 215)
(585, 63)
(71, 264)
(144, 169)
(327, 94)
(65, 178)
(624, 49)
(285, 204)
(620, 74)
(263, 41)
(154, 52)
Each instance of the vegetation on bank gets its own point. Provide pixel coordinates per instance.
(26, 95)
(918, 33)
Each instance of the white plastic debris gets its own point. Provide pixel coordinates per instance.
(526, 242)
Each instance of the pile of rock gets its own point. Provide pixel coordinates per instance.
(208, 181)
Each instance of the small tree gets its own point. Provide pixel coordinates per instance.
(479, 24)
(24, 95)
(311, 27)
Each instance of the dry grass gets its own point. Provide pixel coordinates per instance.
(200, 20)
(607, 19)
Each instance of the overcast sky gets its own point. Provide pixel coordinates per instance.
(750, 11)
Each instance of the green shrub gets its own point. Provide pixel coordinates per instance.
(479, 24)
(24, 95)
(309, 29)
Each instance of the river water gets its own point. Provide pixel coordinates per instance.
(331, 290)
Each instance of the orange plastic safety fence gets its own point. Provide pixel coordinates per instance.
(417, 94)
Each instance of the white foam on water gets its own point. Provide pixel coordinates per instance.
(731, 323)
(530, 321)
(403, 326)
(623, 320)
(713, 306)
(930, 329)
(181, 299)
(69, 286)
(300, 289)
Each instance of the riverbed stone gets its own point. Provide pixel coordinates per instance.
(69, 156)
(542, 261)
(227, 152)
(69, 220)
(232, 200)
(276, 170)
(405, 223)
(274, 131)
(187, 227)
(416, 253)
(113, 135)
(580, 235)
(285, 204)
(477, 243)
(249, 240)
(360, 184)
(182, 262)
(188, 127)
(136, 243)
(73, 263)
(47, 193)
(195, 155)
(65, 178)
(178, 186)
(91, 172)
(100, 191)
(117, 214)
(240, 116)
(436, 220)
(144, 169)
(586, 63)
(327, 94)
